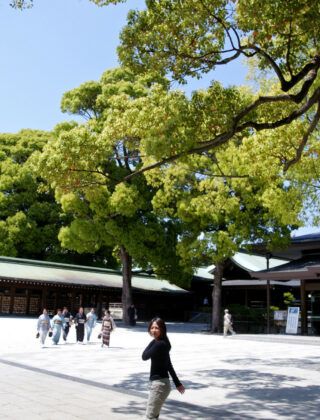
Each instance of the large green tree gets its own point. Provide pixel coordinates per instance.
(189, 38)
(86, 163)
(276, 123)
(29, 216)
(226, 199)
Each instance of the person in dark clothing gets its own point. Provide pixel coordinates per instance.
(80, 320)
(161, 366)
(132, 314)
(67, 318)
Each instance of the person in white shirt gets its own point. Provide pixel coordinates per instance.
(91, 322)
(227, 323)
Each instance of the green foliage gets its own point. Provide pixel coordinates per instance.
(288, 298)
(86, 165)
(21, 4)
(29, 216)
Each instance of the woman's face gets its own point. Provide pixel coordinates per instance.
(155, 330)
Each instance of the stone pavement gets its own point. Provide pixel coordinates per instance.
(239, 377)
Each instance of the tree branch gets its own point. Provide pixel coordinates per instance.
(304, 140)
(224, 137)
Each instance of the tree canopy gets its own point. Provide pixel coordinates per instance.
(189, 38)
(29, 216)
(86, 164)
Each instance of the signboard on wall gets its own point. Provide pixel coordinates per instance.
(292, 320)
(280, 315)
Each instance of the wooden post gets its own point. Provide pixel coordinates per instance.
(268, 306)
(304, 319)
(44, 298)
(12, 293)
(28, 301)
(268, 256)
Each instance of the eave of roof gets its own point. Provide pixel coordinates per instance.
(307, 267)
(54, 273)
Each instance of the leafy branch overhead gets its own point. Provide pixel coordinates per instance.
(189, 38)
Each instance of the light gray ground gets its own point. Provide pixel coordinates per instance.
(239, 377)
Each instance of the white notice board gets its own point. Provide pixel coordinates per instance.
(292, 320)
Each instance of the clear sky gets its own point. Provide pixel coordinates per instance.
(54, 47)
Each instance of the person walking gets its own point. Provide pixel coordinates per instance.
(43, 326)
(67, 319)
(227, 323)
(158, 351)
(107, 326)
(80, 320)
(57, 324)
(91, 323)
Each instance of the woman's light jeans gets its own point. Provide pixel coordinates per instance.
(158, 393)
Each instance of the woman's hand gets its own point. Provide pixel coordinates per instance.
(181, 389)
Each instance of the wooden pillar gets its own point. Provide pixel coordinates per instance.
(246, 297)
(73, 295)
(44, 298)
(304, 319)
(28, 301)
(268, 306)
(99, 305)
(12, 293)
(268, 256)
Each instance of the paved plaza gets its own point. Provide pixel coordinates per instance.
(239, 377)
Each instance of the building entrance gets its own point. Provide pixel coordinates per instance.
(314, 312)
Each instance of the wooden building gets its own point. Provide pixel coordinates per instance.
(303, 267)
(27, 286)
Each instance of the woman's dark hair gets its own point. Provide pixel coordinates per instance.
(163, 329)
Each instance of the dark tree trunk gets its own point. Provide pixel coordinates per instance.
(126, 283)
(216, 298)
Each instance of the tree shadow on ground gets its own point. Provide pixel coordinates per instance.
(173, 410)
(249, 395)
(139, 381)
(252, 392)
(313, 363)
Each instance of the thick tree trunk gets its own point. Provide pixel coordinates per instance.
(216, 298)
(126, 283)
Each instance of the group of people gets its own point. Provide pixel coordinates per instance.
(158, 350)
(63, 320)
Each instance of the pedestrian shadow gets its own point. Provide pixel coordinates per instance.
(51, 347)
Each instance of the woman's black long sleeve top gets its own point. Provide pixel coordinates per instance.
(158, 352)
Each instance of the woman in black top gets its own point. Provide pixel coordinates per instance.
(158, 351)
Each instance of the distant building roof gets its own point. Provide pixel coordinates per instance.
(311, 237)
(252, 262)
(290, 283)
(248, 262)
(47, 272)
(307, 267)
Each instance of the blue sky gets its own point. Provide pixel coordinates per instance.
(54, 47)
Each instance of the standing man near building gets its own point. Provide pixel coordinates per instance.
(227, 323)
(67, 319)
(132, 314)
(91, 323)
(80, 320)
